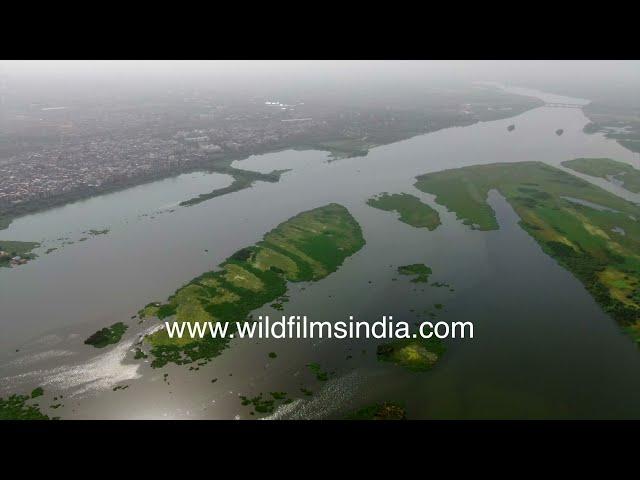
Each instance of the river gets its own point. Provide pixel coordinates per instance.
(542, 349)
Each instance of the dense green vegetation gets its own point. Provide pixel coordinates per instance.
(341, 148)
(420, 271)
(307, 247)
(12, 249)
(608, 169)
(417, 355)
(107, 335)
(263, 404)
(241, 179)
(600, 246)
(619, 121)
(379, 411)
(412, 211)
(149, 310)
(15, 408)
(37, 392)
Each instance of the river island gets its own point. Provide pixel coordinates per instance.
(307, 247)
(412, 211)
(589, 231)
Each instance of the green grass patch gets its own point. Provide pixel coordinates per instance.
(417, 355)
(572, 220)
(37, 392)
(241, 179)
(307, 247)
(412, 211)
(608, 169)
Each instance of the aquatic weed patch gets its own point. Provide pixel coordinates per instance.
(379, 411)
(419, 271)
(413, 354)
(107, 335)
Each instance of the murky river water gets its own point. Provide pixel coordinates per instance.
(542, 347)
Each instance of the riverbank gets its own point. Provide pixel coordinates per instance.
(343, 146)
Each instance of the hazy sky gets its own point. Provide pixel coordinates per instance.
(261, 75)
(304, 68)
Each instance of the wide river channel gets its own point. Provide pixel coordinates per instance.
(542, 347)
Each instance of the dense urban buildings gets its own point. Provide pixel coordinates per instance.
(54, 153)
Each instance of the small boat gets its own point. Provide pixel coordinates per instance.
(559, 132)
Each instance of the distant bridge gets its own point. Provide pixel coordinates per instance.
(563, 105)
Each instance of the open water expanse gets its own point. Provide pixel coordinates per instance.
(542, 349)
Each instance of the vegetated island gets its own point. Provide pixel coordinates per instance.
(241, 179)
(107, 335)
(618, 120)
(412, 211)
(343, 148)
(14, 253)
(609, 169)
(415, 354)
(420, 271)
(307, 247)
(589, 231)
(379, 411)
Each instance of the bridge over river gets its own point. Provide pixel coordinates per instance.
(564, 105)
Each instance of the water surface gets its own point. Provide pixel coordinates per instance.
(543, 347)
